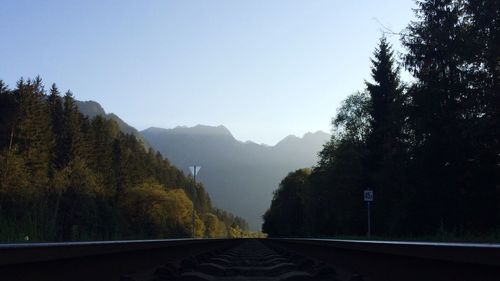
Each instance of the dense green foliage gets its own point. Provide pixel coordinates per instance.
(429, 150)
(64, 177)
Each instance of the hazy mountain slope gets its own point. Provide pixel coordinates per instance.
(240, 176)
(92, 109)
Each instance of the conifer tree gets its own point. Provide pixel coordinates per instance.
(8, 106)
(73, 145)
(447, 106)
(384, 140)
(34, 133)
(56, 115)
(385, 105)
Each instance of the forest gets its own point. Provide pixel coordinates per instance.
(64, 177)
(429, 148)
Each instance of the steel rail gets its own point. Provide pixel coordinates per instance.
(375, 260)
(477, 253)
(402, 260)
(37, 252)
(102, 260)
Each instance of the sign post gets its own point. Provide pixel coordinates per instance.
(194, 170)
(368, 196)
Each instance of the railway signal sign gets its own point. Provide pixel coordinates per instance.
(194, 171)
(368, 197)
(368, 194)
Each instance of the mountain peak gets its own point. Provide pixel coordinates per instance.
(204, 130)
(198, 130)
(215, 130)
(293, 140)
(288, 140)
(317, 134)
(90, 108)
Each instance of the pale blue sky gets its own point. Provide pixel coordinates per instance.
(264, 69)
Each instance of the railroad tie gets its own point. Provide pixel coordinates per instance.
(252, 261)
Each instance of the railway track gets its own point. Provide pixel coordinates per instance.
(250, 259)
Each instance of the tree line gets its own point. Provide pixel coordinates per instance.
(64, 177)
(429, 149)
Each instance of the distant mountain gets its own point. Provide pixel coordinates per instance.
(92, 109)
(240, 176)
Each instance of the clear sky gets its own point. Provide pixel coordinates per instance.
(263, 68)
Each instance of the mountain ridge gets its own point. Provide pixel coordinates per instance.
(306, 135)
(240, 176)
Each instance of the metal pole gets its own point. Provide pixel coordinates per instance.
(369, 221)
(194, 197)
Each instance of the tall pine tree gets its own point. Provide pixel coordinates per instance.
(448, 106)
(385, 139)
